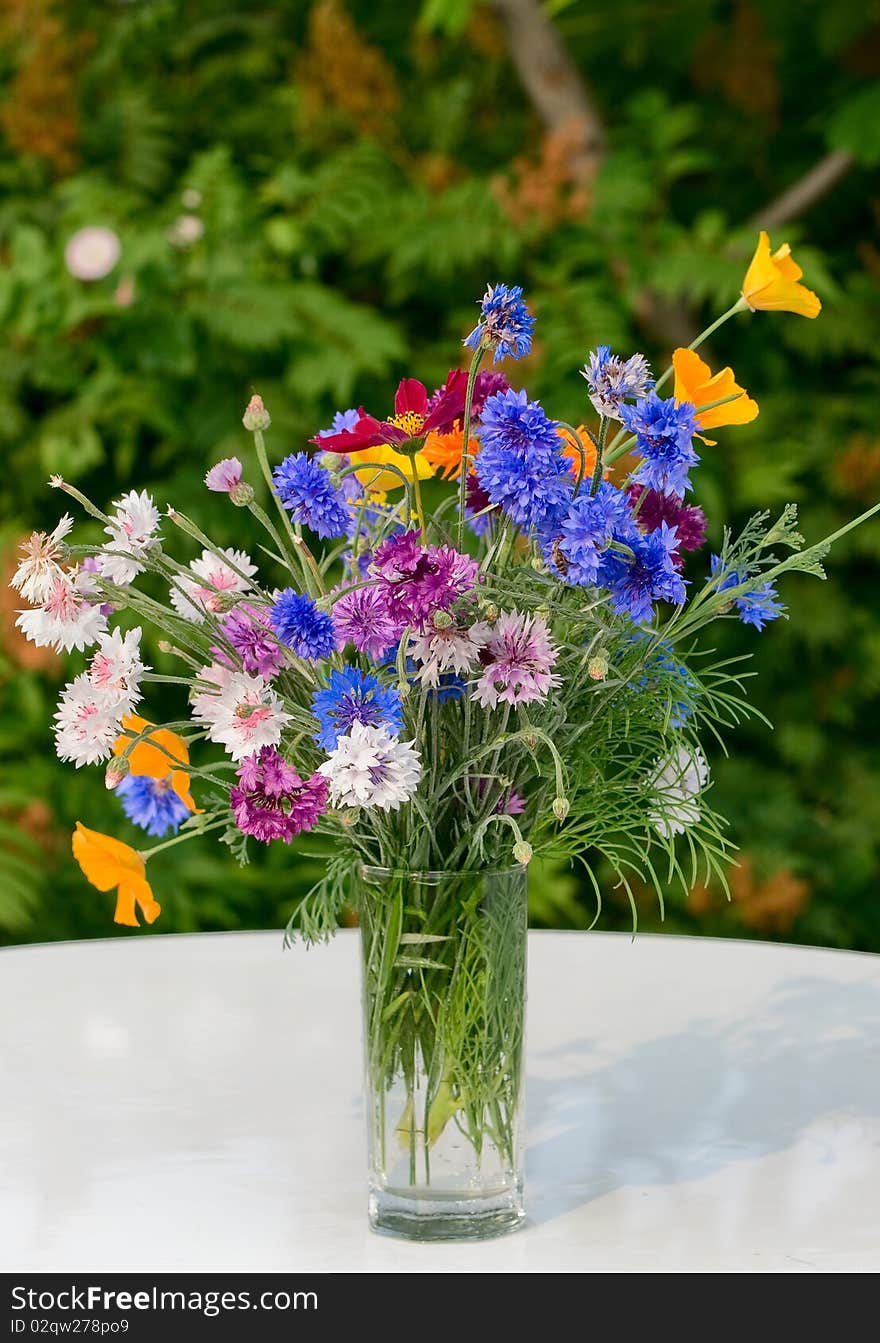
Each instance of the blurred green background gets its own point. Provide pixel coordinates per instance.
(309, 199)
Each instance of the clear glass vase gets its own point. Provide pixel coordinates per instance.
(444, 961)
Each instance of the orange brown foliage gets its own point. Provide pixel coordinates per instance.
(546, 189)
(40, 115)
(339, 71)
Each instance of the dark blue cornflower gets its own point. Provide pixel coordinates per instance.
(449, 687)
(613, 380)
(151, 803)
(299, 624)
(754, 608)
(520, 465)
(650, 575)
(352, 696)
(310, 497)
(663, 433)
(505, 323)
(587, 529)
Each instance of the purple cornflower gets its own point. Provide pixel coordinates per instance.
(688, 520)
(361, 617)
(271, 801)
(520, 464)
(509, 802)
(416, 580)
(663, 433)
(310, 497)
(486, 384)
(151, 803)
(754, 608)
(352, 696)
(648, 577)
(298, 622)
(249, 630)
(591, 524)
(613, 380)
(505, 324)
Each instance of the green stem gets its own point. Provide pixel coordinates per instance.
(211, 824)
(465, 439)
(739, 306)
(311, 572)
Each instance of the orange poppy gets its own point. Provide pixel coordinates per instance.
(570, 450)
(695, 382)
(156, 755)
(443, 451)
(108, 863)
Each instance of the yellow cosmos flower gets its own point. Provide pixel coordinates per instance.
(377, 481)
(108, 863)
(771, 282)
(695, 382)
(156, 756)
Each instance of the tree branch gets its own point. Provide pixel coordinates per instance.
(806, 191)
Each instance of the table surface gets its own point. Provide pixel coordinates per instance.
(186, 1103)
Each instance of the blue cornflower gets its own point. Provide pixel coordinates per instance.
(661, 660)
(310, 497)
(520, 465)
(505, 323)
(353, 696)
(590, 524)
(449, 687)
(663, 433)
(343, 420)
(299, 624)
(756, 607)
(648, 577)
(151, 803)
(613, 380)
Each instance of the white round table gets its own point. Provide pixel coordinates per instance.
(193, 1103)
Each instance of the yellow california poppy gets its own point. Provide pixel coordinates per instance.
(108, 863)
(156, 755)
(695, 382)
(377, 481)
(771, 282)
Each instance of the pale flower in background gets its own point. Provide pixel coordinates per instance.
(370, 768)
(448, 649)
(678, 783)
(214, 581)
(132, 532)
(92, 253)
(39, 567)
(185, 231)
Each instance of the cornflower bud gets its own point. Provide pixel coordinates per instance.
(256, 417)
(116, 771)
(597, 667)
(522, 852)
(561, 808)
(242, 494)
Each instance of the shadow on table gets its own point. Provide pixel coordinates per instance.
(682, 1106)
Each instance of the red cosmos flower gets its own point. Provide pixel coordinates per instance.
(411, 418)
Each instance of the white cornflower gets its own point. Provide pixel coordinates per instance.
(39, 567)
(116, 668)
(243, 716)
(447, 650)
(678, 782)
(87, 723)
(217, 677)
(212, 582)
(67, 619)
(370, 768)
(132, 531)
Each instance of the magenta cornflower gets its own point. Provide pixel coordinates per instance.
(416, 580)
(688, 520)
(517, 659)
(360, 617)
(249, 631)
(271, 801)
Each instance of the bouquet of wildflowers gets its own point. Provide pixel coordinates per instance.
(516, 670)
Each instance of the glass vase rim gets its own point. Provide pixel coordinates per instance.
(434, 875)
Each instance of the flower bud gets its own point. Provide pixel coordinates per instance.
(333, 461)
(531, 740)
(561, 808)
(597, 667)
(165, 646)
(242, 494)
(116, 771)
(221, 602)
(441, 620)
(256, 417)
(522, 852)
(489, 609)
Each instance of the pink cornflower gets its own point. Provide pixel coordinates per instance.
(360, 617)
(224, 477)
(517, 659)
(271, 801)
(67, 619)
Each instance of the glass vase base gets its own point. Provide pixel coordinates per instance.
(426, 1216)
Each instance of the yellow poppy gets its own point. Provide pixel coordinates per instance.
(443, 453)
(108, 863)
(695, 382)
(378, 481)
(571, 451)
(771, 282)
(155, 756)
